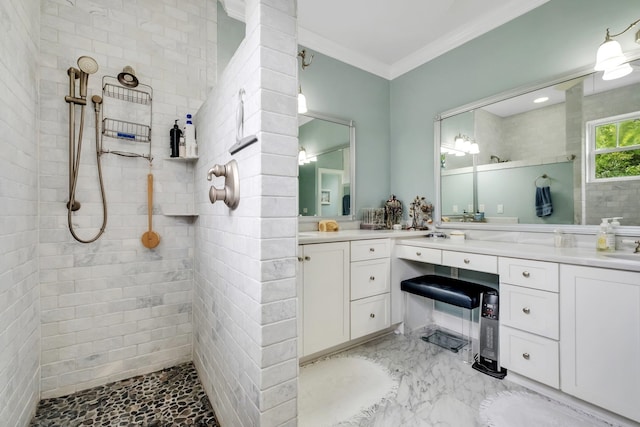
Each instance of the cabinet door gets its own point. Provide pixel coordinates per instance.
(325, 296)
(600, 337)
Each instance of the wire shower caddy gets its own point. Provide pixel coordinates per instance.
(133, 132)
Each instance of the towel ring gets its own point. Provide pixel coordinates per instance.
(543, 177)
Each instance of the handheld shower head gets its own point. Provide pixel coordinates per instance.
(87, 66)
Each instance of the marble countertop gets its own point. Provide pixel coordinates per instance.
(308, 237)
(620, 260)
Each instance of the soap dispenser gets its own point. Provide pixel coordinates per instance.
(611, 232)
(601, 237)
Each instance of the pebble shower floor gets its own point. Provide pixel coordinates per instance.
(171, 397)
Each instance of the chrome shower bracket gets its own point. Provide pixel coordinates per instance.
(230, 194)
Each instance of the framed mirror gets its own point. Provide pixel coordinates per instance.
(326, 167)
(574, 141)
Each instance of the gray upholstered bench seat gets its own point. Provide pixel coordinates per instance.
(446, 289)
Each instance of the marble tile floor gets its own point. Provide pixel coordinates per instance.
(435, 387)
(170, 397)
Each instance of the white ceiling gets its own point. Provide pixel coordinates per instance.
(390, 37)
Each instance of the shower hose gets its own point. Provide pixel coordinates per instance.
(74, 167)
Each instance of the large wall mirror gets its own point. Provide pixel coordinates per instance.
(575, 141)
(326, 166)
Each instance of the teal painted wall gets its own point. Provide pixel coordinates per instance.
(340, 90)
(559, 36)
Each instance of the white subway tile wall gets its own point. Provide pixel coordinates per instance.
(245, 301)
(113, 309)
(19, 296)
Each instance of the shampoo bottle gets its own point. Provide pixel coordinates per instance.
(174, 140)
(190, 137)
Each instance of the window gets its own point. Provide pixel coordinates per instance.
(614, 148)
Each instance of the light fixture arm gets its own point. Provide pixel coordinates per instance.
(609, 36)
(303, 54)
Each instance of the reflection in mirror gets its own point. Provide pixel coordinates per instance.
(325, 166)
(579, 137)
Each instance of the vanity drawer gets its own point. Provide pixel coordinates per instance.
(468, 261)
(416, 253)
(369, 278)
(362, 250)
(532, 274)
(369, 315)
(530, 310)
(530, 355)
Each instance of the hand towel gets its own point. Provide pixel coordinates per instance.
(544, 207)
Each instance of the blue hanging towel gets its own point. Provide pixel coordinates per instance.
(544, 207)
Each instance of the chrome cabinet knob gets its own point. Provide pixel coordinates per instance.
(419, 253)
(300, 259)
(372, 278)
(372, 249)
(526, 356)
(526, 274)
(467, 260)
(526, 310)
(372, 315)
(307, 258)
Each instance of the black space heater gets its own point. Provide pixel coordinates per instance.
(488, 357)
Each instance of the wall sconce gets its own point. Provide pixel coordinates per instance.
(302, 100)
(610, 58)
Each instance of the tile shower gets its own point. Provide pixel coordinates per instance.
(80, 316)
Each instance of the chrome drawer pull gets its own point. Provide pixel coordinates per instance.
(419, 253)
(372, 278)
(526, 274)
(307, 258)
(300, 259)
(372, 249)
(467, 260)
(526, 310)
(525, 356)
(372, 315)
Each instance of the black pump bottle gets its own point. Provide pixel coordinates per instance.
(174, 139)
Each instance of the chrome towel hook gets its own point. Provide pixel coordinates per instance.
(230, 194)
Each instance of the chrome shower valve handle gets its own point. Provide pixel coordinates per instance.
(230, 194)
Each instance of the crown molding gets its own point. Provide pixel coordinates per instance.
(461, 36)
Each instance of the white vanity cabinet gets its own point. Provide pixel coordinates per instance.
(600, 337)
(324, 292)
(370, 286)
(529, 319)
